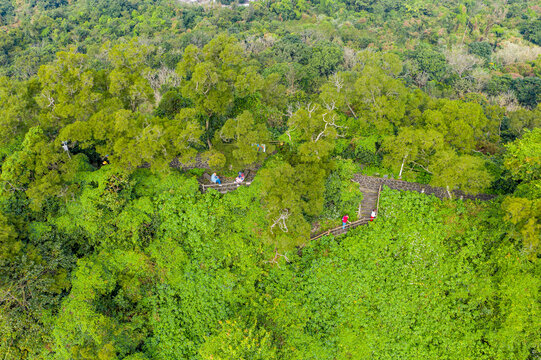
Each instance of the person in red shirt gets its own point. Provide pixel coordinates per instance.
(345, 220)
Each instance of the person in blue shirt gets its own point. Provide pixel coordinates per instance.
(215, 179)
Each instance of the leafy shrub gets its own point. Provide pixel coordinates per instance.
(532, 31)
(481, 48)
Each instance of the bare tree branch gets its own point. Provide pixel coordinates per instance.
(337, 82)
(330, 106)
(276, 257)
(331, 122)
(281, 221)
(311, 108)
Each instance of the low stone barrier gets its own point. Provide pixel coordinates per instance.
(372, 182)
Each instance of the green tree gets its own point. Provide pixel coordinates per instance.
(17, 108)
(523, 208)
(287, 194)
(522, 119)
(105, 317)
(313, 130)
(464, 172)
(67, 91)
(523, 157)
(34, 276)
(127, 79)
(380, 99)
(463, 124)
(247, 137)
(429, 61)
(42, 169)
(412, 149)
(213, 77)
(133, 139)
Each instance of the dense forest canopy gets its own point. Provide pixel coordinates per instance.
(112, 114)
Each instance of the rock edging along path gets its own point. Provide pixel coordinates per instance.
(223, 188)
(373, 183)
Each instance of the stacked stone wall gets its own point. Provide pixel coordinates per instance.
(371, 182)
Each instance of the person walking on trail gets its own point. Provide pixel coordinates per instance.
(373, 215)
(240, 178)
(345, 220)
(215, 179)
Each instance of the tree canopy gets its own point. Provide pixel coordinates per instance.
(115, 244)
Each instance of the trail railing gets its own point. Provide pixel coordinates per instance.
(344, 229)
(339, 230)
(223, 187)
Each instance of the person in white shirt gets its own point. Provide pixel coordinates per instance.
(240, 178)
(373, 215)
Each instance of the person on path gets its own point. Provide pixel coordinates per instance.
(240, 178)
(345, 220)
(215, 179)
(373, 215)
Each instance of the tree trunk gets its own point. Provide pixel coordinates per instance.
(207, 125)
(402, 167)
(448, 192)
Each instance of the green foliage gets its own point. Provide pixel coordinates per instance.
(411, 149)
(171, 104)
(288, 9)
(41, 169)
(247, 137)
(67, 92)
(481, 48)
(342, 196)
(528, 91)
(523, 209)
(523, 119)
(325, 58)
(532, 31)
(109, 251)
(291, 192)
(408, 277)
(104, 317)
(126, 79)
(429, 61)
(17, 108)
(235, 341)
(523, 158)
(34, 277)
(9, 245)
(499, 84)
(214, 76)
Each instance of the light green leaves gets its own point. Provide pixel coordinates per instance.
(464, 172)
(234, 341)
(214, 76)
(462, 124)
(127, 80)
(248, 138)
(523, 158)
(67, 90)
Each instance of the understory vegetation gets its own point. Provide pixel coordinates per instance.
(112, 113)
